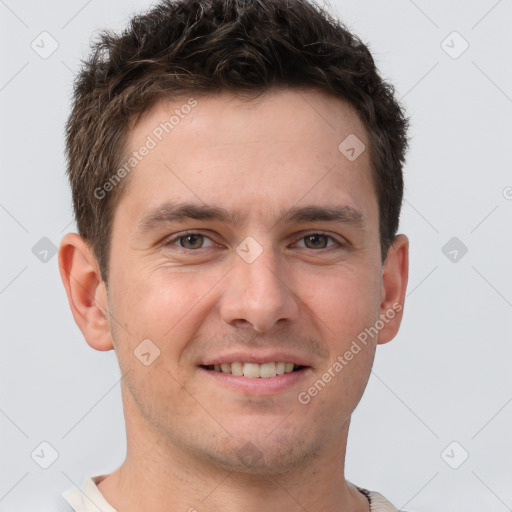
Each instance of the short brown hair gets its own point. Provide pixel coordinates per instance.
(243, 46)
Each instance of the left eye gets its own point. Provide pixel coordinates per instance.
(317, 241)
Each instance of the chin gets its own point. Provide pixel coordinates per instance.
(265, 455)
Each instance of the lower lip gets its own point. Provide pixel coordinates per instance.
(258, 385)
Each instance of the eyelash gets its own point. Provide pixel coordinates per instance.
(172, 241)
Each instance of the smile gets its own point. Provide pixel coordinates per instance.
(255, 370)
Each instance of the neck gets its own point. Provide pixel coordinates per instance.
(158, 474)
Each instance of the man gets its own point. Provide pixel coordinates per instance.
(236, 171)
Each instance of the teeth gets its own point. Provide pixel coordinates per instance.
(237, 369)
(251, 370)
(268, 370)
(255, 370)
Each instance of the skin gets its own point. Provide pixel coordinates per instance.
(192, 441)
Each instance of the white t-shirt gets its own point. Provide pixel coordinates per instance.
(89, 499)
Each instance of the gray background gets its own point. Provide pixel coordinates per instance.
(445, 378)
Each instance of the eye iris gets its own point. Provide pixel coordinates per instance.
(317, 240)
(191, 241)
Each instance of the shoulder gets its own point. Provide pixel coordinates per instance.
(377, 502)
(87, 498)
(380, 504)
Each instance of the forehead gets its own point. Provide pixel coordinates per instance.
(220, 149)
(274, 116)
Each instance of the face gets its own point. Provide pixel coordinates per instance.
(246, 242)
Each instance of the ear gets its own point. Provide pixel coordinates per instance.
(87, 294)
(395, 273)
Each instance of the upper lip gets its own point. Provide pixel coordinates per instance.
(245, 357)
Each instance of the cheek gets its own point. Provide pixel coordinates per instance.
(166, 306)
(154, 303)
(344, 303)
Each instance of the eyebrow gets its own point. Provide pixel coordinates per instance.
(180, 212)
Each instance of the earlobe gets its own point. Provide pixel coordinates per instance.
(394, 284)
(86, 291)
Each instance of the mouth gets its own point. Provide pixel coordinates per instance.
(255, 370)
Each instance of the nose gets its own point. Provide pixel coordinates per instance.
(259, 294)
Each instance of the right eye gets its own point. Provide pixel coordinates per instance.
(190, 240)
